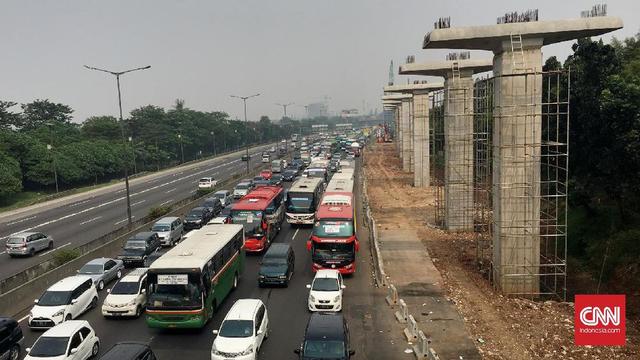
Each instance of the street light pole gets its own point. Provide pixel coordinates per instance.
(284, 106)
(124, 139)
(55, 170)
(181, 148)
(213, 142)
(133, 151)
(246, 122)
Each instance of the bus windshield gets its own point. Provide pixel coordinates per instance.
(333, 251)
(333, 228)
(316, 173)
(174, 291)
(300, 202)
(251, 220)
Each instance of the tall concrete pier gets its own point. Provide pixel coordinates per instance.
(458, 134)
(393, 106)
(517, 128)
(420, 134)
(405, 128)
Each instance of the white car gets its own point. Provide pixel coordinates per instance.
(71, 340)
(326, 291)
(128, 296)
(242, 332)
(272, 149)
(206, 183)
(65, 300)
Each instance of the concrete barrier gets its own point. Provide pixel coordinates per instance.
(16, 300)
(392, 296)
(421, 346)
(411, 331)
(402, 314)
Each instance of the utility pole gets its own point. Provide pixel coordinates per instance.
(53, 156)
(284, 106)
(124, 139)
(133, 151)
(181, 148)
(213, 142)
(246, 122)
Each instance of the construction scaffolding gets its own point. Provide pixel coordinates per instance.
(436, 152)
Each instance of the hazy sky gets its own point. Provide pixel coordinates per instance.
(203, 51)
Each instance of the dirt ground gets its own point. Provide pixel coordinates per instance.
(503, 327)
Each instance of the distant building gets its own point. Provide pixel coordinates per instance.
(319, 109)
(349, 113)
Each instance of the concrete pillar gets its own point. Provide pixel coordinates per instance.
(406, 135)
(421, 175)
(458, 153)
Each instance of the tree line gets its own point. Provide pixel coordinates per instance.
(40, 139)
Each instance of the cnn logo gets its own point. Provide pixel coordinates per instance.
(600, 320)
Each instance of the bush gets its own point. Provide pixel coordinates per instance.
(158, 211)
(64, 256)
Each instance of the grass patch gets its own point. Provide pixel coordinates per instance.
(158, 211)
(64, 256)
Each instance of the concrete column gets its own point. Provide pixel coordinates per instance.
(421, 175)
(406, 135)
(517, 138)
(458, 154)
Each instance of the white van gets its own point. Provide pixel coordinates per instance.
(242, 332)
(128, 296)
(169, 230)
(65, 300)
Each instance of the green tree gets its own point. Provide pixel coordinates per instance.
(10, 176)
(101, 127)
(40, 112)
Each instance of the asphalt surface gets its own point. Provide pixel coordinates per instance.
(363, 306)
(100, 212)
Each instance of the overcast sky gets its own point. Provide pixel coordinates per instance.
(203, 51)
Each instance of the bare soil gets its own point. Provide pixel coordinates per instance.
(502, 327)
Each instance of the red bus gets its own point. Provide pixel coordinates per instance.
(333, 243)
(261, 213)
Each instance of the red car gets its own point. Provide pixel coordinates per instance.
(266, 174)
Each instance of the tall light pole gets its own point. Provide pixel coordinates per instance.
(284, 106)
(124, 139)
(213, 142)
(246, 122)
(55, 170)
(133, 151)
(181, 148)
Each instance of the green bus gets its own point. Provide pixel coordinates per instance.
(186, 285)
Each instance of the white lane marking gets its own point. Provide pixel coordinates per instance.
(171, 190)
(123, 220)
(90, 220)
(21, 220)
(294, 234)
(166, 202)
(192, 191)
(138, 202)
(80, 203)
(2, 253)
(121, 190)
(59, 247)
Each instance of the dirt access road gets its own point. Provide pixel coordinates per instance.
(503, 328)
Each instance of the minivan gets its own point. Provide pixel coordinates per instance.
(242, 331)
(129, 350)
(224, 196)
(169, 230)
(65, 300)
(326, 337)
(214, 204)
(276, 267)
(28, 243)
(138, 247)
(10, 338)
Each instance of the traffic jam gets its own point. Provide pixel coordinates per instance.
(178, 274)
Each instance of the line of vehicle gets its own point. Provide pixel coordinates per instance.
(52, 250)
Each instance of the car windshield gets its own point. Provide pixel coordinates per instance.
(299, 202)
(323, 349)
(274, 261)
(226, 211)
(135, 244)
(205, 180)
(48, 346)
(316, 173)
(236, 328)
(194, 214)
(242, 186)
(15, 240)
(125, 288)
(325, 284)
(221, 196)
(209, 203)
(331, 228)
(174, 291)
(91, 269)
(55, 298)
(290, 172)
(161, 227)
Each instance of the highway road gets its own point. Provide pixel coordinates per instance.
(79, 219)
(364, 308)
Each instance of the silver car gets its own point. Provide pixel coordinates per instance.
(102, 271)
(28, 243)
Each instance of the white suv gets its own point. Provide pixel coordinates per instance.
(65, 300)
(128, 296)
(207, 183)
(71, 340)
(326, 291)
(242, 332)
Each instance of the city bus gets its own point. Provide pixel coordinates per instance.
(186, 285)
(261, 213)
(302, 199)
(333, 243)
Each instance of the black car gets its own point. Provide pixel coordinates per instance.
(152, 257)
(213, 204)
(10, 338)
(226, 211)
(276, 179)
(326, 337)
(261, 182)
(129, 350)
(276, 267)
(138, 247)
(197, 217)
(289, 175)
(245, 157)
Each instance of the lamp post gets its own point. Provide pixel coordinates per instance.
(133, 151)
(124, 140)
(284, 107)
(181, 148)
(213, 142)
(55, 170)
(246, 122)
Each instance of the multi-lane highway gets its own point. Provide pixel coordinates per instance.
(78, 219)
(364, 308)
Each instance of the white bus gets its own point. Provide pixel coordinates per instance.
(302, 199)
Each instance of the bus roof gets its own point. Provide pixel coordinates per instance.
(340, 184)
(305, 185)
(335, 205)
(198, 248)
(257, 199)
